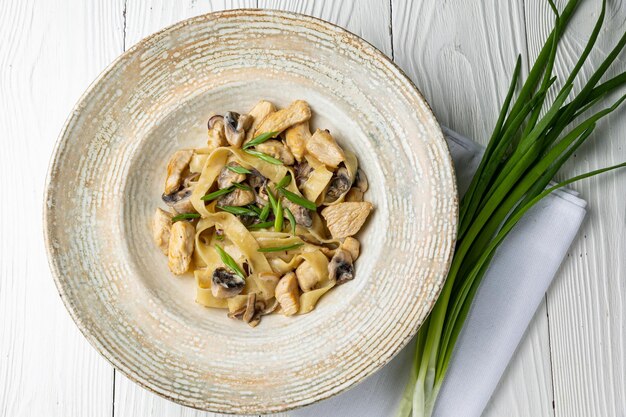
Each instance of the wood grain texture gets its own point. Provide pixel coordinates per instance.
(461, 55)
(50, 53)
(586, 303)
(369, 19)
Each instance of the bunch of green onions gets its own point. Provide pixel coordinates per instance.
(529, 144)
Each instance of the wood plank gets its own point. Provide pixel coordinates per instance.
(461, 55)
(50, 53)
(143, 19)
(367, 18)
(587, 302)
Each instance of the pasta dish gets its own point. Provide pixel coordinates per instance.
(265, 214)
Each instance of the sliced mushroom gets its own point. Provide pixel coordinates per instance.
(288, 294)
(300, 214)
(235, 126)
(340, 267)
(354, 195)
(269, 309)
(307, 275)
(278, 150)
(237, 197)
(180, 200)
(180, 247)
(346, 219)
(177, 165)
(258, 113)
(323, 147)
(296, 138)
(217, 136)
(361, 181)
(189, 179)
(228, 177)
(161, 225)
(339, 185)
(297, 112)
(226, 284)
(352, 246)
(303, 170)
(248, 315)
(256, 180)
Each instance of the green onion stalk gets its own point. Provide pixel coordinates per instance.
(533, 137)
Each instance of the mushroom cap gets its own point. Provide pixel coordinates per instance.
(226, 284)
(340, 267)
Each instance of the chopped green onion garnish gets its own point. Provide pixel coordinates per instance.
(265, 157)
(238, 211)
(265, 212)
(281, 248)
(292, 220)
(264, 225)
(278, 220)
(215, 194)
(229, 261)
(255, 209)
(242, 186)
(185, 216)
(238, 169)
(260, 139)
(284, 182)
(296, 199)
(219, 237)
(271, 198)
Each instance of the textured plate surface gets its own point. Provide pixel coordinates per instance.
(106, 177)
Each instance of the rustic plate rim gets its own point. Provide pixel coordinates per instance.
(62, 140)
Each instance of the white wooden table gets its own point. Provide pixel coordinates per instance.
(460, 53)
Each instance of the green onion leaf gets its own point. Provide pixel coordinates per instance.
(284, 181)
(281, 248)
(238, 169)
(265, 157)
(241, 186)
(254, 208)
(263, 225)
(278, 220)
(292, 220)
(238, 211)
(260, 139)
(185, 216)
(296, 199)
(229, 261)
(215, 194)
(265, 212)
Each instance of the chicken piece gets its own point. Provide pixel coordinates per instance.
(225, 284)
(180, 247)
(297, 112)
(228, 177)
(296, 138)
(276, 149)
(346, 219)
(308, 277)
(324, 148)
(340, 267)
(217, 136)
(353, 246)
(237, 197)
(161, 225)
(288, 294)
(258, 113)
(354, 195)
(175, 168)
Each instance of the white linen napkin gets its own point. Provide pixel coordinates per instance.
(506, 301)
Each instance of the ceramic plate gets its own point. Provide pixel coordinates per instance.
(106, 178)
